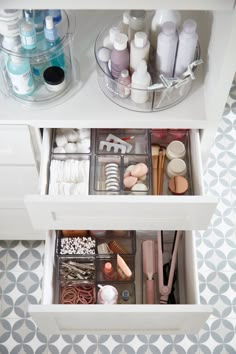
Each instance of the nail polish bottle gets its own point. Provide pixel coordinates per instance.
(124, 81)
(119, 55)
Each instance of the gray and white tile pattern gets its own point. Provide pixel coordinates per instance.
(21, 270)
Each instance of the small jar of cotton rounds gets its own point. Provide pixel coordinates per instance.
(71, 141)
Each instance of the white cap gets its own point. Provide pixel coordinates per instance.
(175, 149)
(169, 28)
(49, 22)
(112, 33)
(124, 73)
(120, 42)
(126, 17)
(142, 67)
(10, 14)
(176, 167)
(108, 294)
(190, 26)
(140, 39)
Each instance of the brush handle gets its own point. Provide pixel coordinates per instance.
(154, 180)
(150, 292)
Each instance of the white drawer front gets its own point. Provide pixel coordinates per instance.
(16, 145)
(16, 181)
(121, 212)
(185, 318)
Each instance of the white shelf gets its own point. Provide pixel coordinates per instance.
(89, 107)
(121, 4)
(92, 109)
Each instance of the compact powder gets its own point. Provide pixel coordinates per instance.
(54, 79)
(178, 185)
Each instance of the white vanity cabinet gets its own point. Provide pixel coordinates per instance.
(200, 112)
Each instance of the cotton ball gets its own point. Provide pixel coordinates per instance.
(70, 148)
(71, 135)
(61, 140)
(82, 149)
(84, 133)
(59, 150)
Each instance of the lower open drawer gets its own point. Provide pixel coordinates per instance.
(185, 318)
(123, 212)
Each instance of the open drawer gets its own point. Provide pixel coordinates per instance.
(124, 212)
(187, 317)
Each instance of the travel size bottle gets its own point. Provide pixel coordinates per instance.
(119, 55)
(139, 49)
(124, 81)
(19, 72)
(188, 39)
(108, 41)
(166, 49)
(50, 32)
(28, 33)
(140, 81)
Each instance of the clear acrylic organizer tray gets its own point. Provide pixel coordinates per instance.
(142, 141)
(166, 94)
(38, 60)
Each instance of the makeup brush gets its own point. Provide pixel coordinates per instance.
(155, 154)
(149, 269)
(161, 171)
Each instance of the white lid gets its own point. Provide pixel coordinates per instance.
(124, 73)
(112, 33)
(169, 28)
(140, 39)
(126, 17)
(175, 149)
(176, 167)
(108, 294)
(49, 22)
(10, 14)
(142, 68)
(190, 26)
(10, 43)
(120, 42)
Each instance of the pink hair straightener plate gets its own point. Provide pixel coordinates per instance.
(165, 289)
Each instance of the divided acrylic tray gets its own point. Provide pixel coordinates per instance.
(98, 161)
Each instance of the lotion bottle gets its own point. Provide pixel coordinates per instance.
(119, 55)
(19, 72)
(108, 41)
(140, 81)
(160, 17)
(188, 39)
(166, 50)
(139, 49)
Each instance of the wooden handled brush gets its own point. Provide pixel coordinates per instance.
(155, 157)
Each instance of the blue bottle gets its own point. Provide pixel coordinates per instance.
(52, 38)
(19, 72)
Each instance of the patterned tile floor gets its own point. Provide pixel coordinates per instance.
(21, 265)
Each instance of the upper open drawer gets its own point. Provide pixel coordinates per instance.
(124, 212)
